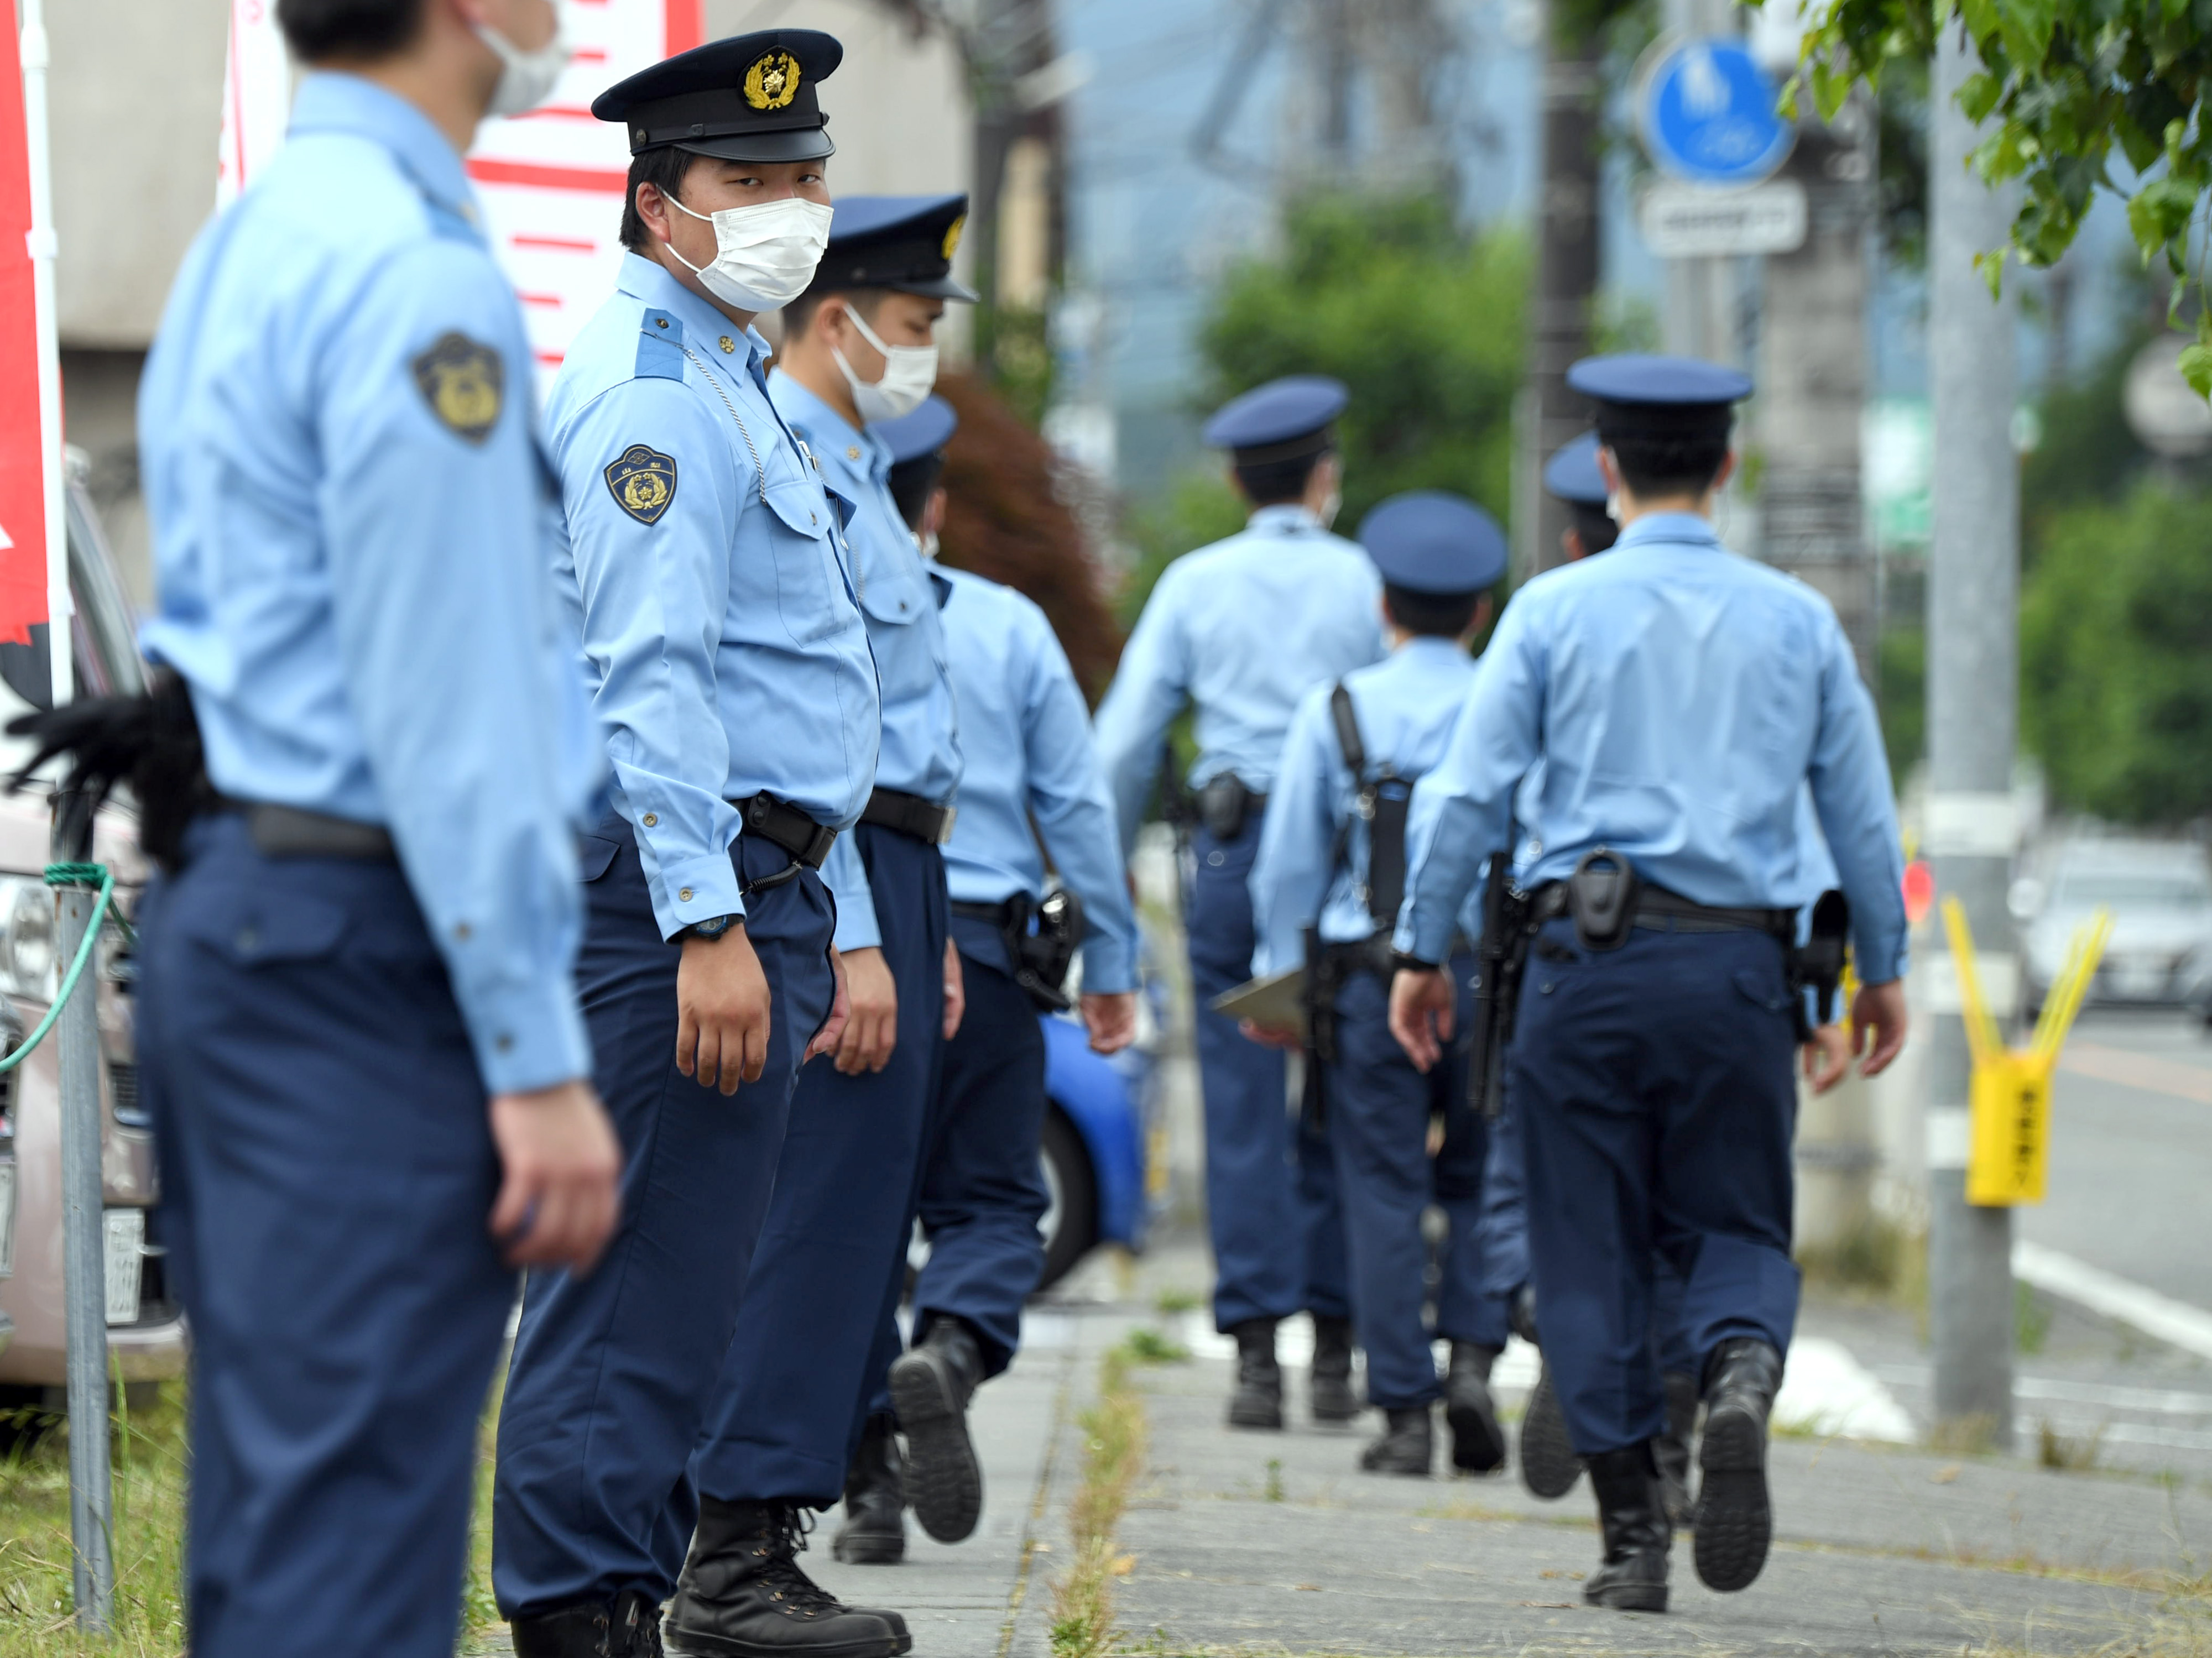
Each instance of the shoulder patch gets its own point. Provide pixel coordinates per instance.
(643, 483)
(465, 383)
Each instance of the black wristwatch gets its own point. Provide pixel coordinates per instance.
(715, 926)
(1401, 962)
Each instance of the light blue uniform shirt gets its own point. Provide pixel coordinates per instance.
(1681, 699)
(720, 635)
(1243, 628)
(351, 516)
(1031, 758)
(920, 732)
(1406, 706)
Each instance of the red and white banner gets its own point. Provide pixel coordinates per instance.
(551, 182)
(23, 449)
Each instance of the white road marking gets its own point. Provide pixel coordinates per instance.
(2174, 1322)
(1826, 1391)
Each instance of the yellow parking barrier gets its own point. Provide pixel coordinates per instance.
(2009, 1142)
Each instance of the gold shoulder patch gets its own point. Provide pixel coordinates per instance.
(952, 236)
(643, 482)
(465, 383)
(773, 82)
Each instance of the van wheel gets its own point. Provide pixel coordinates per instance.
(1071, 1218)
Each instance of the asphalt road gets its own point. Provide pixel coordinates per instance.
(2131, 1152)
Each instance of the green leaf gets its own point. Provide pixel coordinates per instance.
(1991, 265)
(2196, 365)
(1978, 95)
(1981, 15)
(2026, 25)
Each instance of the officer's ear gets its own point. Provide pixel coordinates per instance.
(1726, 471)
(932, 513)
(1480, 620)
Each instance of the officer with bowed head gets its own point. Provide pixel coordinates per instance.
(1679, 701)
(359, 767)
(819, 1329)
(1242, 630)
(703, 569)
(1030, 761)
(1326, 890)
(1572, 475)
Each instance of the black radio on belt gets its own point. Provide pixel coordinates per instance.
(1225, 806)
(1041, 939)
(151, 740)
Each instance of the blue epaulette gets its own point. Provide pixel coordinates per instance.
(659, 347)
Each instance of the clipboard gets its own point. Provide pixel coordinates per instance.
(1276, 1000)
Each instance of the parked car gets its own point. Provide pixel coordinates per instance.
(146, 1333)
(2160, 893)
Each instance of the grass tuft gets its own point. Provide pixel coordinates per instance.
(1174, 1299)
(1113, 1455)
(2071, 1454)
(1146, 1345)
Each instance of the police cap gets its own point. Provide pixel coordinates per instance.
(1571, 474)
(1431, 541)
(748, 97)
(901, 242)
(1287, 419)
(920, 434)
(1659, 396)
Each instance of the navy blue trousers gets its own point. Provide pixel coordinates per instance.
(1378, 1112)
(1270, 1199)
(327, 1171)
(1653, 1083)
(613, 1374)
(819, 1326)
(982, 1192)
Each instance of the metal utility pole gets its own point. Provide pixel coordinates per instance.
(1974, 671)
(1566, 264)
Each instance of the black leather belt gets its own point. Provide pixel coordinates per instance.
(909, 814)
(781, 824)
(294, 832)
(1661, 911)
(996, 914)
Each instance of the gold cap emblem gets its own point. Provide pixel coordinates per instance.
(952, 236)
(773, 82)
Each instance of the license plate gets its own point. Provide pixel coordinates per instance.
(7, 1216)
(126, 1256)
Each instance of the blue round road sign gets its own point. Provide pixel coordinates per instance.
(1706, 112)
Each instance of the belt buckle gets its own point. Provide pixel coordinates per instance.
(944, 827)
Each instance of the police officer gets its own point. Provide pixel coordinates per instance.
(1332, 858)
(818, 1327)
(1571, 475)
(705, 578)
(1027, 737)
(1679, 701)
(1244, 629)
(358, 1026)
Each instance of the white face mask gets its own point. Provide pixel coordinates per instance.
(764, 254)
(909, 371)
(526, 79)
(926, 540)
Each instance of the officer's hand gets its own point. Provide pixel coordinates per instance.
(1827, 1056)
(1270, 1036)
(1421, 1014)
(871, 1027)
(956, 992)
(1111, 1019)
(833, 1026)
(721, 1011)
(1878, 1012)
(560, 1192)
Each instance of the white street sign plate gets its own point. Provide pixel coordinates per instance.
(1687, 222)
(126, 1256)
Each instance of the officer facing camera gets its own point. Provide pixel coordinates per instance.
(1667, 705)
(1326, 889)
(1242, 630)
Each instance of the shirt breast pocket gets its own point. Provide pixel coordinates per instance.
(809, 586)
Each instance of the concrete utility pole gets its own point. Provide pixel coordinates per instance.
(1701, 317)
(1974, 673)
(1567, 264)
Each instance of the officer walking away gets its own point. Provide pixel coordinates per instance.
(706, 596)
(1680, 701)
(1244, 629)
(1030, 761)
(358, 1022)
(818, 1328)
(1326, 890)
(1571, 475)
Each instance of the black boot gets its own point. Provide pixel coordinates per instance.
(1407, 1445)
(1330, 1390)
(1258, 1400)
(1634, 1576)
(1520, 1314)
(1478, 1447)
(874, 1532)
(629, 1628)
(931, 1386)
(1549, 1466)
(1671, 1450)
(1734, 1522)
(743, 1595)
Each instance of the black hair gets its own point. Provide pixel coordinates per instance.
(1594, 526)
(318, 31)
(1676, 455)
(1270, 483)
(665, 169)
(1431, 616)
(911, 482)
(798, 315)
